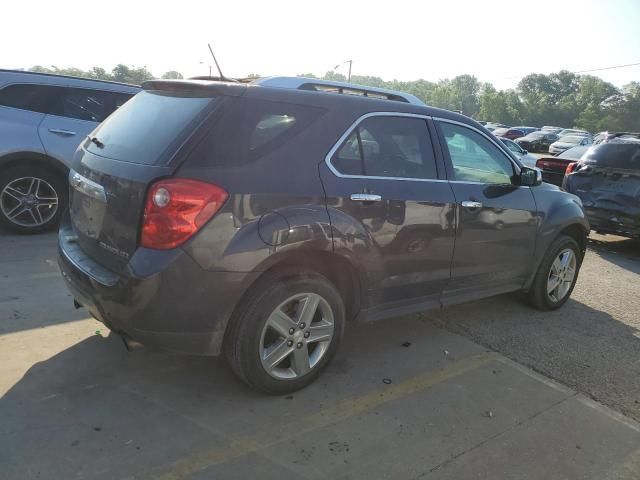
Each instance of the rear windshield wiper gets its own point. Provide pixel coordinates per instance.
(97, 142)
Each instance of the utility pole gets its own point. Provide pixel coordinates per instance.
(350, 62)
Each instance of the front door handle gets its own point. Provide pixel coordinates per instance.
(365, 197)
(469, 204)
(60, 131)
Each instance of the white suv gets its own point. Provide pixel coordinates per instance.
(43, 118)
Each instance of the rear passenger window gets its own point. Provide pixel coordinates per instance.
(386, 146)
(34, 98)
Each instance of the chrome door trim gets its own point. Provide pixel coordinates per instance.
(87, 187)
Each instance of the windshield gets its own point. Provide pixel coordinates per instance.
(143, 129)
(513, 146)
(536, 135)
(571, 139)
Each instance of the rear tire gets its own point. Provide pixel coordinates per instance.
(551, 287)
(32, 198)
(270, 336)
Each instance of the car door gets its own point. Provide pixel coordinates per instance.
(73, 113)
(391, 210)
(496, 218)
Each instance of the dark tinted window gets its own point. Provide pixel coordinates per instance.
(614, 155)
(86, 104)
(474, 158)
(150, 127)
(388, 147)
(27, 97)
(251, 128)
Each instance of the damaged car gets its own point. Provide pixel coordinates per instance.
(607, 180)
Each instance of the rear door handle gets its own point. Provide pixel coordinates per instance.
(365, 197)
(60, 131)
(469, 204)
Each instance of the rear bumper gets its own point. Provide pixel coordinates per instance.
(179, 307)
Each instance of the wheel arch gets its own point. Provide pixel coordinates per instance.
(336, 268)
(26, 158)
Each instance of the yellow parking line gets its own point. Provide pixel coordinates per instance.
(236, 448)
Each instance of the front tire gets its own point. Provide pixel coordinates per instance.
(286, 332)
(32, 198)
(557, 274)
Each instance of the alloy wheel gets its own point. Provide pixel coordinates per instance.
(296, 336)
(561, 275)
(29, 201)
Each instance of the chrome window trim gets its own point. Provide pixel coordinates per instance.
(503, 148)
(354, 125)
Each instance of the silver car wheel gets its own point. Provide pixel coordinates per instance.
(561, 275)
(29, 201)
(296, 336)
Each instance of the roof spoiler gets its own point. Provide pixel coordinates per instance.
(200, 87)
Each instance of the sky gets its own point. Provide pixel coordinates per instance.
(497, 41)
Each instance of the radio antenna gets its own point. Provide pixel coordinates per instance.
(222, 77)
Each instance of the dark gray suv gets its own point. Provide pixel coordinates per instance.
(255, 220)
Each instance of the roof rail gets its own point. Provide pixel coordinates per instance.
(317, 85)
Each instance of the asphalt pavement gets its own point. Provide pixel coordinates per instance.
(491, 389)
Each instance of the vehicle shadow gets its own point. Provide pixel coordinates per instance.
(97, 411)
(624, 252)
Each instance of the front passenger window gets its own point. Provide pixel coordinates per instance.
(474, 158)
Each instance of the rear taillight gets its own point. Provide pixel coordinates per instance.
(571, 168)
(177, 208)
(541, 164)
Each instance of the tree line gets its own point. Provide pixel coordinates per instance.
(563, 99)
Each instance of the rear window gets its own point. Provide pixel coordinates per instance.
(150, 127)
(614, 155)
(573, 153)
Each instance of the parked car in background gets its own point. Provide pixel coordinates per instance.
(568, 141)
(554, 168)
(526, 130)
(43, 118)
(538, 141)
(525, 157)
(604, 137)
(607, 180)
(552, 129)
(258, 237)
(510, 133)
(573, 131)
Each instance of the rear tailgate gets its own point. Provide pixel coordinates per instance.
(144, 140)
(106, 204)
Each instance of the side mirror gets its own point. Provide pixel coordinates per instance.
(530, 177)
(524, 152)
